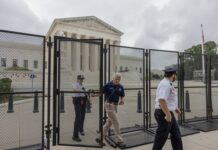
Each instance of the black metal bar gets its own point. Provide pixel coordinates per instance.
(49, 95)
(101, 96)
(137, 48)
(22, 33)
(143, 92)
(147, 92)
(163, 50)
(57, 108)
(109, 63)
(20, 93)
(80, 145)
(179, 82)
(54, 140)
(43, 94)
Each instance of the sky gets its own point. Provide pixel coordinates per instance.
(159, 24)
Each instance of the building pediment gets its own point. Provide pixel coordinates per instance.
(90, 23)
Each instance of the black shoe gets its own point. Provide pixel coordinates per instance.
(82, 133)
(77, 139)
(99, 142)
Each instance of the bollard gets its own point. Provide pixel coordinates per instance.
(139, 105)
(62, 103)
(36, 103)
(187, 102)
(88, 105)
(10, 103)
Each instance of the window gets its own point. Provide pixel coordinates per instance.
(25, 64)
(14, 64)
(3, 62)
(35, 64)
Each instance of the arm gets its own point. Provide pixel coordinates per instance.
(165, 109)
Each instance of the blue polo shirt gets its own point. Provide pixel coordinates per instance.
(113, 92)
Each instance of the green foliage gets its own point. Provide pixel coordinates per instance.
(16, 68)
(5, 87)
(193, 60)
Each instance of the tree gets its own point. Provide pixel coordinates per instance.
(193, 58)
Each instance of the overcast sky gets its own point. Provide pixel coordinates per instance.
(160, 24)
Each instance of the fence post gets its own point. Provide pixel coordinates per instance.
(187, 102)
(62, 103)
(36, 103)
(139, 103)
(10, 103)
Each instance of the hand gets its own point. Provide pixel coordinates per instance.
(168, 117)
(121, 102)
(178, 111)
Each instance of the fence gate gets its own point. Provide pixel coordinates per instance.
(73, 57)
(158, 60)
(22, 90)
(130, 62)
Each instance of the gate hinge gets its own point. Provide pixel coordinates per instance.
(57, 91)
(55, 130)
(49, 44)
(105, 50)
(58, 53)
(146, 54)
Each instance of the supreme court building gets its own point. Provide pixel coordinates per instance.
(82, 58)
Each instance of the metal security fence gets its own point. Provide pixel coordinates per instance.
(213, 86)
(158, 60)
(82, 57)
(21, 90)
(194, 87)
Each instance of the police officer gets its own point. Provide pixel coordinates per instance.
(114, 96)
(165, 103)
(79, 101)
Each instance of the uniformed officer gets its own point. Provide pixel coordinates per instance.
(114, 96)
(79, 101)
(166, 103)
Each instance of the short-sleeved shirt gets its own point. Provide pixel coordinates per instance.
(77, 86)
(167, 92)
(113, 92)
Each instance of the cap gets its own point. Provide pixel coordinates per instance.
(170, 69)
(80, 77)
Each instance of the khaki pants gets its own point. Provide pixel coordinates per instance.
(111, 111)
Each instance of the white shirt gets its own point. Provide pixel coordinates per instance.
(78, 87)
(167, 92)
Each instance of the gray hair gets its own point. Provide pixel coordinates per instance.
(117, 75)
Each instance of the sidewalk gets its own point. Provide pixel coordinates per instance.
(200, 141)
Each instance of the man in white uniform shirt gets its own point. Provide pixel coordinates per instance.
(166, 103)
(79, 101)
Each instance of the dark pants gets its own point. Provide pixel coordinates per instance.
(163, 130)
(80, 111)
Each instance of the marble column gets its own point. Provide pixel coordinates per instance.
(68, 47)
(117, 56)
(75, 53)
(85, 55)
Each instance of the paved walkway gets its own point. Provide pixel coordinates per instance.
(200, 141)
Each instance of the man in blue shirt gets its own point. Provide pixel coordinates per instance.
(114, 96)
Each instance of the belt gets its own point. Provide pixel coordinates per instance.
(114, 103)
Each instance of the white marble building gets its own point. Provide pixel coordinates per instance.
(81, 58)
(21, 56)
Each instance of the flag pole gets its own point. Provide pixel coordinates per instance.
(202, 50)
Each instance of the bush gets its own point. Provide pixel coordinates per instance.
(5, 87)
(16, 68)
